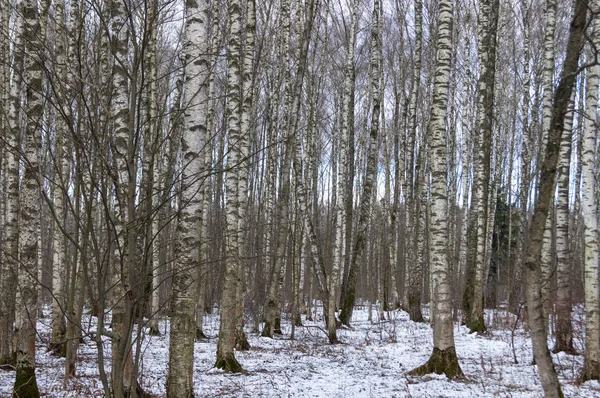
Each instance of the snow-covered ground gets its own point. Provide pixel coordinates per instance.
(372, 361)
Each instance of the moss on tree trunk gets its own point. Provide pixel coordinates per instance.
(241, 341)
(25, 384)
(440, 362)
(590, 371)
(477, 325)
(229, 364)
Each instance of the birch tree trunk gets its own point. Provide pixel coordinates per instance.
(415, 224)
(488, 24)
(564, 328)
(548, 79)
(243, 172)
(338, 247)
(589, 207)
(546, 187)
(371, 171)
(183, 331)
(10, 249)
(25, 328)
(272, 310)
(57, 343)
(227, 330)
(443, 359)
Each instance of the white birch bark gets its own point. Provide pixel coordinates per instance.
(10, 250)
(488, 22)
(182, 333)
(25, 381)
(371, 169)
(61, 167)
(548, 79)
(564, 328)
(342, 178)
(546, 189)
(443, 358)
(589, 207)
(227, 330)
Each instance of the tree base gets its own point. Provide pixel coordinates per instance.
(154, 331)
(440, 362)
(241, 342)
(8, 362)
(26, 384)
(229, 364)
(590, 371)
(200, 334)
(58, 349)
(477, 325)
(564, 346)
(267, 330)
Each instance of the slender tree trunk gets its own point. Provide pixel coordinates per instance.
(548, 79)
(370, 174)
(227, 331)
(564, 328)
(57, 343)
(589, 206)
(488, 24)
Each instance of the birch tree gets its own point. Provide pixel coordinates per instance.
(564, 328)
(227, 329)
(371, 170)
(443, 360)
(10, 247)
(542, 203)
(589, 207)
(25, 381)
(183, 331)
(487, 28)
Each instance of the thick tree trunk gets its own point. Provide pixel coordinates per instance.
(443, 359)
(183, 326)
(10, 250)
(25, 381)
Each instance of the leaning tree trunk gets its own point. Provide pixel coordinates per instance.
(371, 171)
(25, 381)
(589, 207)
(183, 332)
(546, 185)
(443, 359)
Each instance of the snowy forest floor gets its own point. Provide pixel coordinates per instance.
(372, 361)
